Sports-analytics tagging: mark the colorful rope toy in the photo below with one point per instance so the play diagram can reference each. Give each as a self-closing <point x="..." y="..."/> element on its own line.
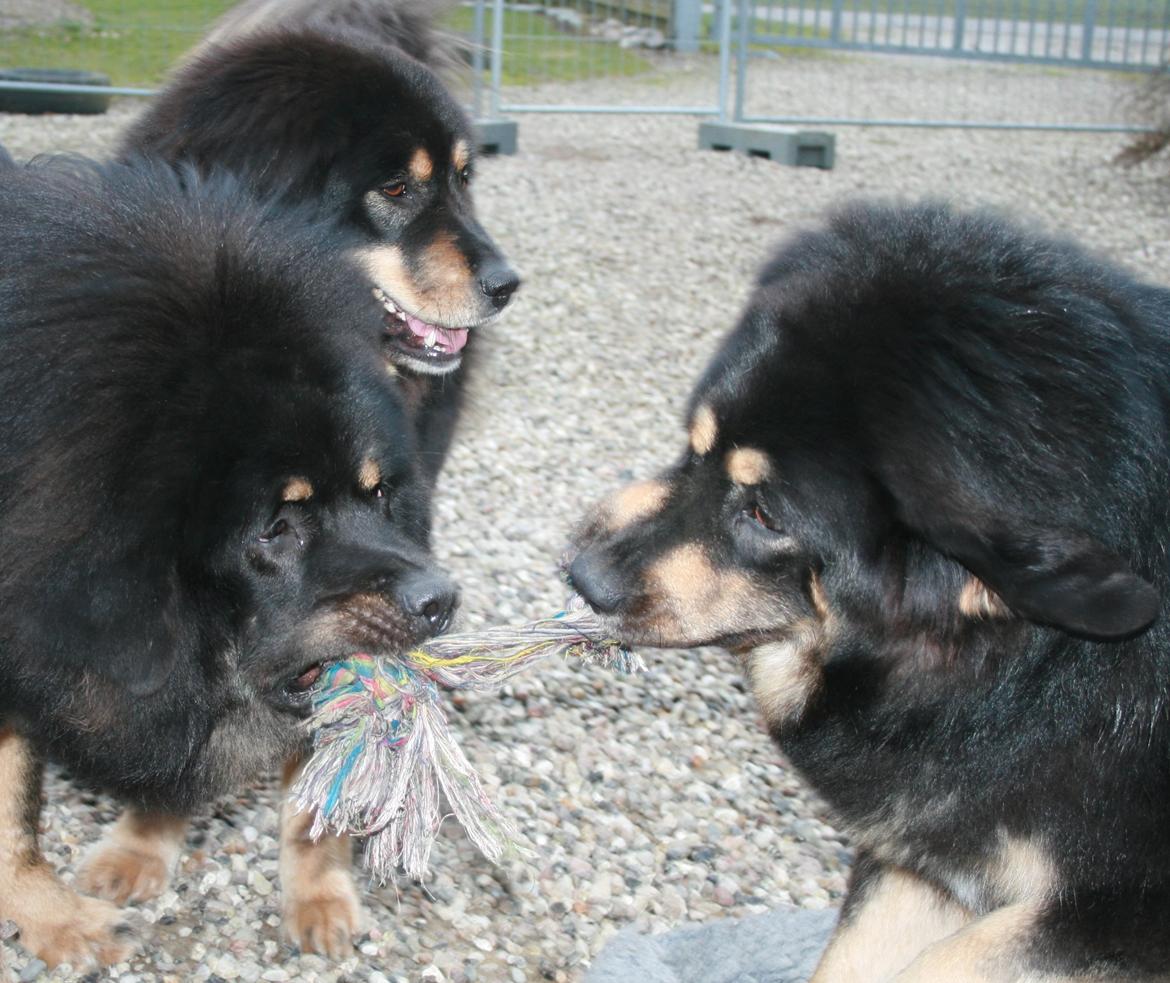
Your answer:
<point x="383" y="750"/>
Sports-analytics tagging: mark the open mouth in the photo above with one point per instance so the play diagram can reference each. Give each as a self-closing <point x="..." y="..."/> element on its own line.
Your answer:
<point x="423" y="346"/>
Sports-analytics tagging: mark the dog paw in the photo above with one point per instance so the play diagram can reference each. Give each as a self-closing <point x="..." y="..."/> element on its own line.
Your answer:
<point x="59" y="926"/>
<point x="323" y="916"/>
<point x="123" y="874"/>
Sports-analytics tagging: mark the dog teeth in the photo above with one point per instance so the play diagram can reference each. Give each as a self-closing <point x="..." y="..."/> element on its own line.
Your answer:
<point x="430" y="342"/>
<point x="387" y="302"/>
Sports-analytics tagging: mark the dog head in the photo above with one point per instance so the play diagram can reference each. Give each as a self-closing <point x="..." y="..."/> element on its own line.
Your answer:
<point x="372" y="136"/>
<point x="925" y="424"/>
<point x="211" y="489"/>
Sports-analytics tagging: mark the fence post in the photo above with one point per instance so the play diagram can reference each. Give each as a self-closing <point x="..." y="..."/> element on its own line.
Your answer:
<point x="745" y="24"/>
<point x="477" y="66"/>
<point x="835" y="23"/>
<point x="1087" y="30"/>
<point x="497" y="55"/>
<point x="688" y="20"/>
<point x="723" y="26"/>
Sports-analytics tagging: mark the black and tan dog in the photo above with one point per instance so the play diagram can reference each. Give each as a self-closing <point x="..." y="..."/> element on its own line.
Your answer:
<point x="334" y="109"/>
<point x="209" y="490"/>
<point x="925" y="501"/>
<point x="339" y="105"/>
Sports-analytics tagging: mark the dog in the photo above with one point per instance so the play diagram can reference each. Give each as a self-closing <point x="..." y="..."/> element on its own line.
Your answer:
<point x="209" y="492"/>
<point x="923" y="499"/>
<point x="341" y="105"/>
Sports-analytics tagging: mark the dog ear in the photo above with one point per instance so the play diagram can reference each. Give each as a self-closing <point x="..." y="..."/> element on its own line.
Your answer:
<point x="1067" y="580"/>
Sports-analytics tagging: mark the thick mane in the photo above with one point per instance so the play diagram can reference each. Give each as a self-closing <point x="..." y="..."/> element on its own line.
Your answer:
<point x="1002" y="357"/>
<point x="139" y="308"/>
<point x="409" y="25"/>
<point x="350" y="97"/>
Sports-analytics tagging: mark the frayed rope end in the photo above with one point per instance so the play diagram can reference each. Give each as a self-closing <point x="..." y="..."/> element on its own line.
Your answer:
<point x="383" y="751"/>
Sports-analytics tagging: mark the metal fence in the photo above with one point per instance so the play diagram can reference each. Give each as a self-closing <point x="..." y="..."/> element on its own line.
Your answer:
<point x="728" y="58"/>
<point x="1053" y="64"/>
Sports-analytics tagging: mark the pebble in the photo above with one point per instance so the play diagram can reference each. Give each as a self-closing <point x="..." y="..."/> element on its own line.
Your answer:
<point x="657" y="799"/>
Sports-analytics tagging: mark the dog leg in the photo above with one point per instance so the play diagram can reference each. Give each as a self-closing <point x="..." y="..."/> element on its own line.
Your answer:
<point x="135" y="860"/>
<point x="322" y="911"/>
<point x="890" y="917"/>
<point x="56" y="924"/>
<point x="992" y="949"/>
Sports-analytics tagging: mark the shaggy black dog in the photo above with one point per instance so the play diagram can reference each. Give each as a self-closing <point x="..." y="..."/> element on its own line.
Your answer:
<point x="329" y="104"/>
<point x="208" y="490"/>
<point x="925" y="500"/>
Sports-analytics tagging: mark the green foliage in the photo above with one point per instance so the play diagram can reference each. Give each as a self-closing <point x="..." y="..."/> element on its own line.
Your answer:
<point x="135" y="42"/>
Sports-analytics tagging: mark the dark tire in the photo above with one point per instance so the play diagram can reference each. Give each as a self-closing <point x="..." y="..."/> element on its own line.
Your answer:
<point x="47" y="101"/>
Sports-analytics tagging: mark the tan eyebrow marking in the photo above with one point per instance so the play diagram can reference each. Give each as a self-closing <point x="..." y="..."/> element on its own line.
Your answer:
<point x="704" y="429"/>
<point x="460" y="155"/>
<point x="297" y="490"/>
<point x="370" y="475"/>
<point x="421" y="166"/>
<point x="747" y="466"/>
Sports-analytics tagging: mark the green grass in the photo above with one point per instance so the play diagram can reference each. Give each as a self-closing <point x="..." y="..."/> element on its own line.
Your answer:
<point x="536" y="51"/>
<point x="134" y="42"/>
<point x="764" y="26"/>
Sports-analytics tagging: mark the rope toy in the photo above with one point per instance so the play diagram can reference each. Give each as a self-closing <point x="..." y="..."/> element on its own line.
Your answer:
<point x="383" y="749"/>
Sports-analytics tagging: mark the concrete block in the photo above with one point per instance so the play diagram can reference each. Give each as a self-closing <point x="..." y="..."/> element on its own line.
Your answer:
<point x="496" y="136"/>
<point x="783" y="144"/>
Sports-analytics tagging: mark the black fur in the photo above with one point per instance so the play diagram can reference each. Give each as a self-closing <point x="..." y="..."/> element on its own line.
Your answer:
<point x="171" y="356"/>
<point x="327" y="104"/>
<point x="940" y="395"/>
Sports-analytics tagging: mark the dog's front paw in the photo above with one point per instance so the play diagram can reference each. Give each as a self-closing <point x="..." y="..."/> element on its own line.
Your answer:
<point x="122" y="874"/>
<point x="57" y="925"/>
<point x="136" y="859"/>
<point x="322" y="914"/>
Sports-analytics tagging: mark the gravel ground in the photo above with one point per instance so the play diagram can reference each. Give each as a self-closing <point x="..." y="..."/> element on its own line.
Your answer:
<point x="658" y="800"/>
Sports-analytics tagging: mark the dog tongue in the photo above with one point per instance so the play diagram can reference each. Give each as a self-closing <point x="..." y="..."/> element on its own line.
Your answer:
<point x="449" y="340"/>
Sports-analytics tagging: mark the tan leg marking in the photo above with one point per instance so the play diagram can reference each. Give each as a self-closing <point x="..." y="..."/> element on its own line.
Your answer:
<point x="1022" y="871"/>
<point x="704" y="429"/>
<point x="989" y="950"/>
<point x="421" y="166"/>
<point x="977" y="600"/>
<point x="136" y="859"/>
<point x="747" y="466"/>
<point x="634" y="503"/>
<point x="56" y="924"/>
<point x="322" y="911"/>
<point x="902" y="916"/>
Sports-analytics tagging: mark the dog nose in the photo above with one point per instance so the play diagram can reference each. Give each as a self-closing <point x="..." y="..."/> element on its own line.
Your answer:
<point x="433" y="599"/>
<point x="498" y="281"/>
<point x="596" y="581"/>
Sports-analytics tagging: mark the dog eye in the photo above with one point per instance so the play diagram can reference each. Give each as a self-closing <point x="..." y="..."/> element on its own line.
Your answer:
<point x="396" y="190"/>
<point x="380" y="490"/>
<point x="760" y="516"/>
<point x="465" y="176"/>
<point x="275" y="531"/>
